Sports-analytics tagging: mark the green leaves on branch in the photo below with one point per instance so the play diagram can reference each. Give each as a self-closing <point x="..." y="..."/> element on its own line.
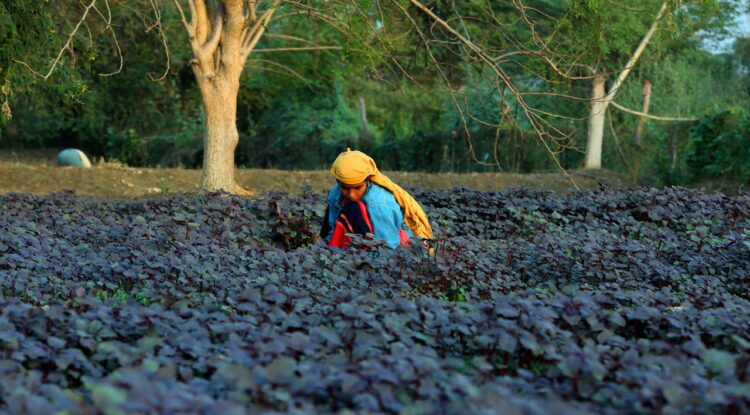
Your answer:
<point x="720" y="145"/>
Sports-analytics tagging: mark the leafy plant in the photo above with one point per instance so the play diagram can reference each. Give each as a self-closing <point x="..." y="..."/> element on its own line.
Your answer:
<point x="629" y="301"/>
<point x="720" y="145"/>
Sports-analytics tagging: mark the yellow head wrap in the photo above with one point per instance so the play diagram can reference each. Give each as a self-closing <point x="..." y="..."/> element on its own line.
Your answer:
<point x="352" y="167"/>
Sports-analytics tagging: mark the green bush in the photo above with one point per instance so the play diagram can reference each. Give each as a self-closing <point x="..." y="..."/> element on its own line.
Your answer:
<point x="720" y="146"/>
<point x="301" y="129"/>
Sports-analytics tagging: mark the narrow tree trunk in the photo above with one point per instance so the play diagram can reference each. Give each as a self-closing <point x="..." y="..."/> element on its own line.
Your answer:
<point x="673" y="151"/>
<point x="642" y="120"/>
<point x="597" y="113"/>
<point x="363" y="116"/>
<point x="599" y="105"/>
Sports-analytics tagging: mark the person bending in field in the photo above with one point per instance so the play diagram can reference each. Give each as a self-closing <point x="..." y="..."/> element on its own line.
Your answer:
<point x="366" y="201"/>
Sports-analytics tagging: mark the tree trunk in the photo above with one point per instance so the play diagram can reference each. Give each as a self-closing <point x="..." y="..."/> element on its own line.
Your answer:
<point x="363" y="116"/>
<point x="597" y="112"/>
<point x="601" y="102"/>
<point x="642" y="120"/>
<point x="221" y="136"/>
<point x="673" y="151"/>
<point x="222" y="34"/>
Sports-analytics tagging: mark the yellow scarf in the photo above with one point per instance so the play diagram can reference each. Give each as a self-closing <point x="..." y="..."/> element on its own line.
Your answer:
<point x="352" y="167"/>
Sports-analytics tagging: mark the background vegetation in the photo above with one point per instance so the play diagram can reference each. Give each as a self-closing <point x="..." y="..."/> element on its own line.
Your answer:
<point x="297" y="110"/>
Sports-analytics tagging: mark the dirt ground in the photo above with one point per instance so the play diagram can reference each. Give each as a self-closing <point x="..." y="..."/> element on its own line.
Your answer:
<point x="35" y="172"/>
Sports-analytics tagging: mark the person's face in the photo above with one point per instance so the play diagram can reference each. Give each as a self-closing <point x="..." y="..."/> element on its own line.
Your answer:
<point x="353" y="192"/>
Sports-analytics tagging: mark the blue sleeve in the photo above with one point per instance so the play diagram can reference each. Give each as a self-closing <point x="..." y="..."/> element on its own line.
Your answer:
<point x="333" y="209"/>
<point x="386" y="221"/>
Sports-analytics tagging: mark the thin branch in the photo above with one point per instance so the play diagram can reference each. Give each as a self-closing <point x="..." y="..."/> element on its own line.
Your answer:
<point x="298" y="49"/>
<point x="386" y="42"/>
<point x="253" y="35"/>
<point x="589" y="68"/>
<point x="637" y="54"/>
<point x="533" y="118"/>
<point x="653" y="117"/>
<point x="320" y="15"/>
<point x="532" y="25"/>
<point x="292" y="38"/>
<point x="288" y="69"/>
<point x="66" y="46"/>
<point x="193" y="11"/>
<point x="566" y="76"/>
<point x="108" y="21"/>
<point x="163" y="36"/>
<point x="617" y="141"/>
<point x="90" y="36"/>
<point x="189" y="27"/>
<point x="451" y="90"/>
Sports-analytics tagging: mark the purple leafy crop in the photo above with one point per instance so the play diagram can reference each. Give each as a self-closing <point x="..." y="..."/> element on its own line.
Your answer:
<point x="601" y="302"/>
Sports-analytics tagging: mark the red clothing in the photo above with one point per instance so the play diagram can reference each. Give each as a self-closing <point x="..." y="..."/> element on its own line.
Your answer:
<point x="354" y="218"/>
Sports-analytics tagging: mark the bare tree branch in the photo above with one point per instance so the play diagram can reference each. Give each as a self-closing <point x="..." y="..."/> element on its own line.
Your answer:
<point x="284" y="67"/>
<point x="253" y="35"/>
<point x="65" y="46"/>
<point x="163" y="36"/>
<point x="653" y="117"/>
<point x="534" y="119"/>
<point x="617" y="142"/>
<point x="298" y="49"/>
<point x="637" y="54"/>
<point x="108" y="22"/>
<point x="189" y="27"/>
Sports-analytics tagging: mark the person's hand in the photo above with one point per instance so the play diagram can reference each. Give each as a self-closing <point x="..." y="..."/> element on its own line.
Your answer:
<point x="430" y="250"/>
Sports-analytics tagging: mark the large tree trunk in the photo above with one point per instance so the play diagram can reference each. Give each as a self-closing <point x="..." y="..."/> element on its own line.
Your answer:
<point x="221" y="136"/>
<point x="222" y="34"/>
<point x="597" y="112"/>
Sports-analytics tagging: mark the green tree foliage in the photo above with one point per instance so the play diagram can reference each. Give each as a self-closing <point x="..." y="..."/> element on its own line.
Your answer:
<point x="687" y="81"/>
<point x="302" y="128"/>
<point x="430" y="104"/>
<point x="720" y="146"/>
<point x="693" y="83"/>
<point x="115" y="116"/>
<point x="138" y="121"/>
<point x="23" y="25"/>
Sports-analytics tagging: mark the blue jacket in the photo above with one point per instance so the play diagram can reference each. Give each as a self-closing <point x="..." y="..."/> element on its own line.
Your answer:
<point x="385" y="213"/>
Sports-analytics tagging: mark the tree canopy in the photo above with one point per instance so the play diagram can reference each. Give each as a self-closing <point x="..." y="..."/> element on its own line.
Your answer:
<point x="423" y="88"/>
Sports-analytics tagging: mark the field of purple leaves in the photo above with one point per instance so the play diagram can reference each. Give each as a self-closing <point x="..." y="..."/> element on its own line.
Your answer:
<point x="597" y="302"/>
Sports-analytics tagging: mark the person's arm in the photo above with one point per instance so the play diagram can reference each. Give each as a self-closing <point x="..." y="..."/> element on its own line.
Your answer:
<point x="333" y="210"/>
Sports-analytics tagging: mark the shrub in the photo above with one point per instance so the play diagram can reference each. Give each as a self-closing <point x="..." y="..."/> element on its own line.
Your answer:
<point x="720" y="146"/>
